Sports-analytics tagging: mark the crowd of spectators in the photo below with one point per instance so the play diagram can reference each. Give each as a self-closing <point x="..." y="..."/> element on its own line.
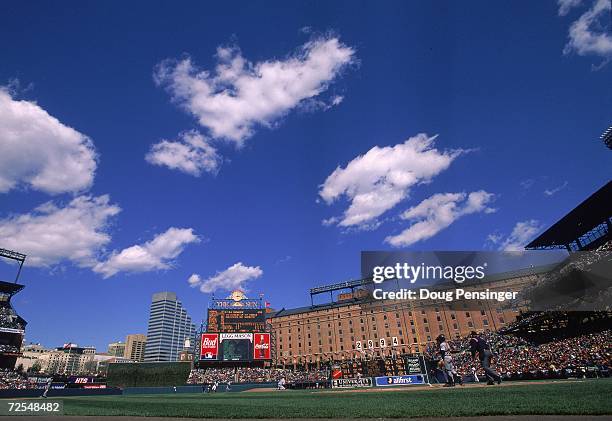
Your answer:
<point x="10" y="379"/>
<point x="516" y="358"/>
<point x="8" y="348"/>
<point x="255" y="375"/>
<point x="8" y="317"/>
<point x="558" y="290"/>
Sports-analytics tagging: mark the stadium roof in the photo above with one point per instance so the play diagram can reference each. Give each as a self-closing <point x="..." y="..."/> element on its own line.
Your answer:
<point x="594" y="211"/>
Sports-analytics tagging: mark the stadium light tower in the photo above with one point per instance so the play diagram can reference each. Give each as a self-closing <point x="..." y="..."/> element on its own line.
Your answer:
<point x="606" y="136"/>
<point x="13" y="255"/>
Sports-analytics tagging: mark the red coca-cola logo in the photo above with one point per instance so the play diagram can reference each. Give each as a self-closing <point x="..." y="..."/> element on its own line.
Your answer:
<point x="262" y="346"/>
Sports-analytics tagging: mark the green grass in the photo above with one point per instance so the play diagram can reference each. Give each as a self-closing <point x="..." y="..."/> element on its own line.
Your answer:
<point x="590" y="397"/>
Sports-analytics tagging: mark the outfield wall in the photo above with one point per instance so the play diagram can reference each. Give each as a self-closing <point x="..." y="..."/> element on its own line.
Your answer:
<point x="166" y="374"/>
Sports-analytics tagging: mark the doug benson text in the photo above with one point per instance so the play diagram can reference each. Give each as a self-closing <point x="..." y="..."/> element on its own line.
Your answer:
<point x="448" y="295"/>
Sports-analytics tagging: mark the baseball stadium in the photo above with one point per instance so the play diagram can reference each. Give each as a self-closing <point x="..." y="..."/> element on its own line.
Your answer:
<point x="351" y="356"/>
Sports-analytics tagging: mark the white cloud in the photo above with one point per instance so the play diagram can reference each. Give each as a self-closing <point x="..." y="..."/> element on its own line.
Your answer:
<point x="191" y="154"/>
<point x="528" y="183"/>
<point x="51" y="233"/>
<point x="194" y="280"/>
<point x="38" y="151"/>
<point x="240" y="95"/>
<point x="553" y="191"/>
<point x="588" y="35"/>
<point x="566" y="5"/>
<point x="230" y="279"/>
<point x="381" y="178"/>
<point x="520" y="236"/>
<point x="155" y="254"/>
<point x="337" y="100"/>
<point x="494" y="238"/>
<point x="438" y="212"/>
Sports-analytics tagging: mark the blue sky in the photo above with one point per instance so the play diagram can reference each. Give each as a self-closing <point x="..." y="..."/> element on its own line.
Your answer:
<point x="242" y="191"/>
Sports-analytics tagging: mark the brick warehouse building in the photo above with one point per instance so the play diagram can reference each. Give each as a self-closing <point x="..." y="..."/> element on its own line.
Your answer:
<point x="309" y="336"/>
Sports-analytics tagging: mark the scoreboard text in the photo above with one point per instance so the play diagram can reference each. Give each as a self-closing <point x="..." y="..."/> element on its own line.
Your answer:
<point x="236" y="320"/>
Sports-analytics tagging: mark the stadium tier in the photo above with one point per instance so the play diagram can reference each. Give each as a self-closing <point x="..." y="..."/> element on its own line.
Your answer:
<point x="578" y="291"/>
<point x="586" y="227"/>
<point x="12" y="326"/>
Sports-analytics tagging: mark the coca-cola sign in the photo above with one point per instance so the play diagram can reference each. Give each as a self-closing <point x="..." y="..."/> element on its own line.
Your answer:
<point x="261" y="347"/>
<point x="210" y="346"/>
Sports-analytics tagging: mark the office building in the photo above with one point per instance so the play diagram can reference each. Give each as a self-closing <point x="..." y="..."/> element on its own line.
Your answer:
<point x="169" y="326"/>
<point x="116" y="349"/>
<point x="135" y="347"/>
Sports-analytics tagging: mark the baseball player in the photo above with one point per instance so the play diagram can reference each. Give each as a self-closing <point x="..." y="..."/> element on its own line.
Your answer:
<point x="47" y="387"/>
<point x="480" y="347"/>
<point x="449" y="371"/>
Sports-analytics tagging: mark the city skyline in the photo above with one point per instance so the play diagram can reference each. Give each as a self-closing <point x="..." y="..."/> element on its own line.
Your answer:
<point x="232" y="154"/>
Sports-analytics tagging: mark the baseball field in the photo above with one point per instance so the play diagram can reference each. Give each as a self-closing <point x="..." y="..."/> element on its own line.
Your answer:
<point x="564" y="397"/>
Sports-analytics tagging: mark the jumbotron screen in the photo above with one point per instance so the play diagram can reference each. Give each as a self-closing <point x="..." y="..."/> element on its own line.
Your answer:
<point x="236" y="320"/>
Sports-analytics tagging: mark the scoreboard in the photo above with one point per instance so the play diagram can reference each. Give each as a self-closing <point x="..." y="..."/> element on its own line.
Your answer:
<point x="236" y="331"/>
<point x="235" y="346"/>
<point x="236" y="320"/>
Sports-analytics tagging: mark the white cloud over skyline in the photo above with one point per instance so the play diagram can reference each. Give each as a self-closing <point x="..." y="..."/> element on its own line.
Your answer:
<point x="381" y="178"/>
<point x="153" y="255"/>
<point x="37" y="151"/>
<point x="53" y="233"/>
<point x="236" y="97"/>
<point x="438" y="212"/>
<point x="191" y="154"/>
<point x="234" y="277"/>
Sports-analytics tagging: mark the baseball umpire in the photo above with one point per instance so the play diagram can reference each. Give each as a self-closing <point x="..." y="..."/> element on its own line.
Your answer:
<point x="478" y="345"/>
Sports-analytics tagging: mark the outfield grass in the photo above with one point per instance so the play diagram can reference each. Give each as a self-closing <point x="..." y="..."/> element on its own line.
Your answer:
<point x="590" y="397"/>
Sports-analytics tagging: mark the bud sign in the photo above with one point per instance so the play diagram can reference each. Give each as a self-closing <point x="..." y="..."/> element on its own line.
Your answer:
<point x="210" y="346"/>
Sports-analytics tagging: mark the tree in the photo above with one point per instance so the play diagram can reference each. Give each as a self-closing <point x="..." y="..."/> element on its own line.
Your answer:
<point x="35" y="367"/>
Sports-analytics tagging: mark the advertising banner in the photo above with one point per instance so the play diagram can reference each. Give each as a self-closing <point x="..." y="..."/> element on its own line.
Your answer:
<point x="400" y="380"/>
<point x="349" y="383"/>
<point x="225" y="336"/>
<point x="415" y="364"/>
<point x="210" y="346"/>
<point x="261" y="349"/>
